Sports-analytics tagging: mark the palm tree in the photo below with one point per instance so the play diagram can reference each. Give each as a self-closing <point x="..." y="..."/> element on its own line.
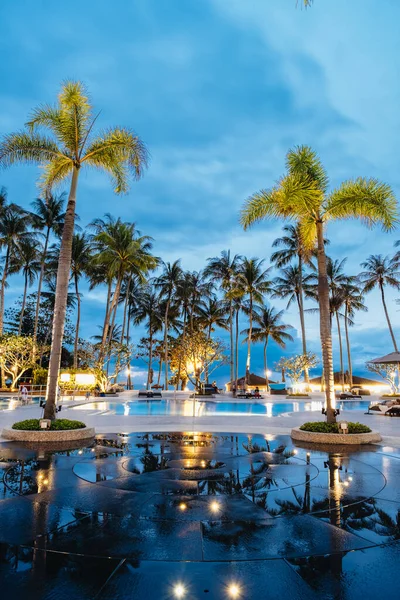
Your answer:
<point x="268" y="326"/>
<point x="292" y="284"/>
<point x="48" y="216"/>
<point x="13" y="231"/>
<point x="28" y="261"/>
<point x="381" y="271"/>
<point x="149" y="310"/>
<point x="336" y="279"/>
<point x="168" y="283"/>
<point x="294" y="249"/>
<point x="302" y="196"/>
<point x="69" y="146"/>
<point x="123" y="250"/>
<point x="211" y="313"/>
<point x="223" y="269"/>
<point x="353" y="301"/>
<point x="252" y="280"/>
<point x="80" y="259"/>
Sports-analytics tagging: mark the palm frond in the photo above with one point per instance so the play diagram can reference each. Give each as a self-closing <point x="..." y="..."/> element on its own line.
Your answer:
<point x="29" y="148"/>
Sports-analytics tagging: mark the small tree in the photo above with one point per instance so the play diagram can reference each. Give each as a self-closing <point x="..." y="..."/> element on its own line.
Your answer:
<point x="386" y="372"/>
<point x="196" y="356"/>
<point x="295" y="366"/>
<point x="104" y="368"/>
<point x="17" y="355"/>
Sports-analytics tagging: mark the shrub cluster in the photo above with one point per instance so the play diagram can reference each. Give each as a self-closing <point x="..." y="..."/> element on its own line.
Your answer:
<point x="323" y="427"/>
<point x="58" y="425"/>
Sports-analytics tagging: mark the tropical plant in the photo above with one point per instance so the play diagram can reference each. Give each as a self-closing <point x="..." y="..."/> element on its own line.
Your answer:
<point x="268" y="326"/>
<point x="353" y="301"/>
<point x="381" y="271"/>
<point x="223" y="269"/>
<point x="48" y="217"/>
<point x="252" y="282"/>
<point x="17" y="355"/>
<point x="69" y="146"/>
<point x="80" y="260"/>
<point x="168" y="283"/>
<point x="27" y="260"/>
<point x="149" y="310"/>
<point x="388" y="372"/>
<point x="302" y="195"/>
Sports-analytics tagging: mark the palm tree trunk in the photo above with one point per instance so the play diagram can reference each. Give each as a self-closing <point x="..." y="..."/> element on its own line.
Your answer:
<point x="266" y="366"/>
<point x="21" y="318"/>
<point x="340" y="351"/>
<point x="78" y="320"/>
<point x="346" y="328"/>
<point x="236" y="350"/>
<point x="387" y="317"/>
<point x="3" y="286"/>
<point x="107" y="304"/>
<point x="325" y="326"/>
<point x="150" y="361"/>
<point x="60" y="307"/>
<point x="300" y="302"/>
<point x="231" y="340"/>
<point x="166" y="344"/>
<point x="128" y="287"/>
<point x="39" y="291"/>
<point x="247" y="377"/>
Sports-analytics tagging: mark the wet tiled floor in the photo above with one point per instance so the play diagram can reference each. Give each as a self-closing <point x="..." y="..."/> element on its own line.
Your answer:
<point x="135" y="515"/>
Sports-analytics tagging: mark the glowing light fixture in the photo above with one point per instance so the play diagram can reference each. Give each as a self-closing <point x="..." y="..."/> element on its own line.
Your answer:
<point x="85" y="379"/>
<point x="234" y="590"/>
<point x="179" y="590"/>
<point x="215" y="506"/>
<point x="45" y="481"/>
<point x="65" y="377"/>
<point x="182" y="506"/>
<point x="203" y="464"/>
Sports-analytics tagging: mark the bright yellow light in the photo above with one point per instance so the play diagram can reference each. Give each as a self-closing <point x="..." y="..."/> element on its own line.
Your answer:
<point x="214" y="506"/>
<point x="234" y="590"/>
<point x="203" y="463"/>
<point x="85" y="379"/>
<point x="346" y="483"/>
<point x="182" y="506"/>
<point x="45" y="481"/>
<point x="40" y="477"/>
<point x="179" y="590"/>
<point x="65" y="377"/>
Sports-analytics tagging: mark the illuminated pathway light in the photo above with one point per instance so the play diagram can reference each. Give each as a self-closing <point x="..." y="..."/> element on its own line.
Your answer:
<point x="179" y="590"/>
<point x="234" y="590"/>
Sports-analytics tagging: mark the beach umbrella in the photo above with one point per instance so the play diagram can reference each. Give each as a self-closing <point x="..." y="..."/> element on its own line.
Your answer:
<point x="389" y="359"/>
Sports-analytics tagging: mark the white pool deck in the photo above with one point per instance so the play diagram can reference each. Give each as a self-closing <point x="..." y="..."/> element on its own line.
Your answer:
<point x="110" y="423"/>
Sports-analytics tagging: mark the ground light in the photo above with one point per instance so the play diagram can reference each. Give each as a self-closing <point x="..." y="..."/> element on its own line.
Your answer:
<point x="214" y="506"/>
<point x="179" y="590"/>
<point x="234" y="590"/>
<point x="182" y="506"/>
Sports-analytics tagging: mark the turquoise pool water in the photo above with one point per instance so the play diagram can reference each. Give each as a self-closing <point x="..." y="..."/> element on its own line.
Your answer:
<point x="11" y="403"/>
<point x="209" y="408"/>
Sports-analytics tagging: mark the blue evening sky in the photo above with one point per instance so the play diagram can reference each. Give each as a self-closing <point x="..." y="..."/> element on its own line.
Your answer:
<point x="219" y="90"/>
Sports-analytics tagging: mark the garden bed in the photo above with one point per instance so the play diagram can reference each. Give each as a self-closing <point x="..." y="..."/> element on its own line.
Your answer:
<point x="320" y="432"/>
<point x="298" y="396"/>
<point x="61" y="430"/>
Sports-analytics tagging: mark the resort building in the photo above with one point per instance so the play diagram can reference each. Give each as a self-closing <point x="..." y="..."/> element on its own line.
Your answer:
<point x="372" y="386"/>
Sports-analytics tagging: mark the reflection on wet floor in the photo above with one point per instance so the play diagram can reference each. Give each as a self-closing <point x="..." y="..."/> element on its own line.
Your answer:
<point x="220" y="501"/>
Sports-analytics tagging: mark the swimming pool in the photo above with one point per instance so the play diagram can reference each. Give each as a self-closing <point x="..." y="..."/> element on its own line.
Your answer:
<point x="185" y="408"/>
<point x="12" y="403"/>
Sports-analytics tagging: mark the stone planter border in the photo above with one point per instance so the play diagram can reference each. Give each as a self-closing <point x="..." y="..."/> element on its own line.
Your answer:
<point x="20" y="435"/>
<point x="347" y="439"/>
<point x="302" y="397"/>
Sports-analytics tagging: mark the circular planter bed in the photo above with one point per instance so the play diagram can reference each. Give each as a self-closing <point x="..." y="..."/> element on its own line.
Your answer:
<point x="61" y="430"/>
<point x="298" y="397"/>
<point x="346" y="439"/>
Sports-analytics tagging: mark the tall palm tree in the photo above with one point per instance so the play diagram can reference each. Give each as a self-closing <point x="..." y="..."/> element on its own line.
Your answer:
<point x="48" y="216"/>
<point x="149" y="310"/>
<point x="253" y="281"/>
<point x="28" y="262"/>
<point x="67" y="146"/>
<point x="353" y="301"/>
<point x="381" y="271"/>
<point x="302" y="196"/>
<point x="223" y="269"/>
<point x="124" y="251"/>
<point x="80" y="260"/>
<point x="292" y="284"/>
<point x="211" y="313"/>
<point x="13" y="231"/>
<point x="268" y="326"/>
<point x="293" y="248"/>
<point x="168" y="283"/>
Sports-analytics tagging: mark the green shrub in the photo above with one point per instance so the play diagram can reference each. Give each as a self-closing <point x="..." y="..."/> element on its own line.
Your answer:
<point x="323" y="427"/>
<point x="299" y="395"/>
<point x="58" y="425"/>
